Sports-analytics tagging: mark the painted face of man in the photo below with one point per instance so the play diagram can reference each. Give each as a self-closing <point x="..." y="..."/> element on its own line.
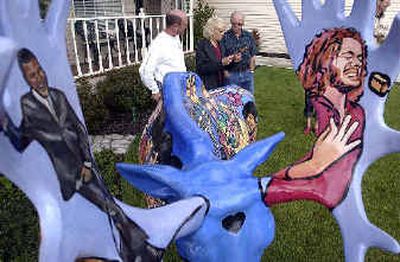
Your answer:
<point x="35" y="77"/>
<point x="347" y="66"/>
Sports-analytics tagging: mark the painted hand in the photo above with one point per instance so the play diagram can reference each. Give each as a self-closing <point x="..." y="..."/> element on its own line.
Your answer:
<point x="333" y="143"/>
<point x="86" y="174"/>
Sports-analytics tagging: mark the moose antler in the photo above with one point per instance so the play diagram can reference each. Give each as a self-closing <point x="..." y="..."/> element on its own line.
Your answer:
<point x="358" y="233"/>
<point x="36" y="170"/>
<point x="316" y="17"/>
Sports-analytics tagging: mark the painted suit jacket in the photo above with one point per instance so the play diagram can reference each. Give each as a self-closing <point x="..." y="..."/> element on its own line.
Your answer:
<point x="64" y="139"/>
<point x="329" y="187"/>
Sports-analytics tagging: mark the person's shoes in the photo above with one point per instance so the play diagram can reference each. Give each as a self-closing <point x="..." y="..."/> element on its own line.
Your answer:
<point x="307" y="130"/>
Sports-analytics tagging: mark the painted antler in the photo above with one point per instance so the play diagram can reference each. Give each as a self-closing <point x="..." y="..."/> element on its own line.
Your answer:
<point x="316" y="16"/>
<point x="358" y="233"/>
<point x="74" y="225"/>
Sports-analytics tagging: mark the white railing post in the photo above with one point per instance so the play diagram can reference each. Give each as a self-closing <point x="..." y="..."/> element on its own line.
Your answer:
<point x="85" y="32"/>
<point x="164" y="21"/>
<point x="158" y="25"/>
<point x="99" y="56"/>
<point x="110" y="62"/>
<point x="151" y="29"/>
<point x="135" y="41"/>
<point x="128" y="59"/>
<point x="78" y="64"/>
<point x="191" y="26"/>
<point x="118" y="43"/>
<point x="142" y="20"/>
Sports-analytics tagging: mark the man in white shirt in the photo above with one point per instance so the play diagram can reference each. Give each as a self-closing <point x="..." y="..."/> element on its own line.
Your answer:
<point x="165" y="53"/>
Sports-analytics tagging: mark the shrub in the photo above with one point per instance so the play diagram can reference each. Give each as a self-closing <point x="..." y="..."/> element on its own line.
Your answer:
<point x="92" y="105"/>
<point x="122" y="91"/>
<point x="118" y="186"/>
<point x="106" y="160"/>
<point x="201" y="14"/>
<point x="19" y="227"/>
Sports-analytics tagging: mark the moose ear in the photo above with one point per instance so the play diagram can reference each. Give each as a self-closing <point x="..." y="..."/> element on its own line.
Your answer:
<point x="167" y="223"/>
<point x="255" y="154"/>
<point x="159" y="181"/>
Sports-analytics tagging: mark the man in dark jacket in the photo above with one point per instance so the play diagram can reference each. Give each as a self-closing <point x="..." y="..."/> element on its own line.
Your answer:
<point x="48" y="118"/>
<point x="239" y="43"/>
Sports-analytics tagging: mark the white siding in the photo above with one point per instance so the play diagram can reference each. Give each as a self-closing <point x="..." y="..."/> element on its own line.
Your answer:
<point x="260" y="14"/>
<point x="96" y="8"/>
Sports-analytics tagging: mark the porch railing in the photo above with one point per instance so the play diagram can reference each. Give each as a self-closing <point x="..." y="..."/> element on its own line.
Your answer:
<point x="97" y="45"/>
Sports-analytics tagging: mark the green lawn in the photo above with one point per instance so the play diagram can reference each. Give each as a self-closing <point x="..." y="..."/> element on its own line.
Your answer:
<point x="305" y="231"/>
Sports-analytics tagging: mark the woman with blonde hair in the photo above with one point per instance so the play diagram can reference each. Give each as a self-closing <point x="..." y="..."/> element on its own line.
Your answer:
<point x="209" y="61"/>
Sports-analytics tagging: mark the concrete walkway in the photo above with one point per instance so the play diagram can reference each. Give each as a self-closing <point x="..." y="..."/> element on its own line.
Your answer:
<point x="119" y="144"/>
<point x="274" y="62"/>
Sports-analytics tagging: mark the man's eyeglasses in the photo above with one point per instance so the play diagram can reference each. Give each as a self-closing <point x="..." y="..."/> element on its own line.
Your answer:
<point x="238" y="24"/>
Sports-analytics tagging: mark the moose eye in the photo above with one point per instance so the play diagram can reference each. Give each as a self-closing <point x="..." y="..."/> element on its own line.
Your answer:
<point x="233" y="223"/>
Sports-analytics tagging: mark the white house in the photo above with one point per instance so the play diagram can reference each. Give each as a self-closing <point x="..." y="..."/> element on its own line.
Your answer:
<point x="261" y="15"/>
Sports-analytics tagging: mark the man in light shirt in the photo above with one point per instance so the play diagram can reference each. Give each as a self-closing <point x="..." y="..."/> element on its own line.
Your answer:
<point x="165" y="53"/>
